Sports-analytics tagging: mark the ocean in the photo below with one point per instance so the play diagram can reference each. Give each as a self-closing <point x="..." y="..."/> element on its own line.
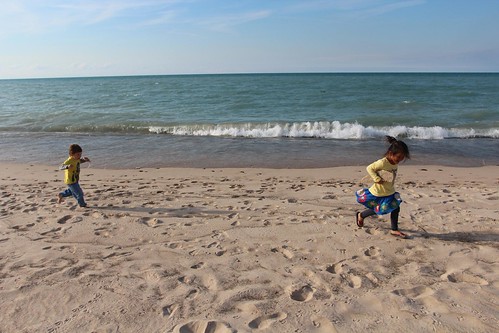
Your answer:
<point x="251" y="120"/>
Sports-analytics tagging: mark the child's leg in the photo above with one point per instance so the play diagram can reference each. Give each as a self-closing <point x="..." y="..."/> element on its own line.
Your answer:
<point x="361" y="216"/>
<point x="368" y="212"/>
<point x="64" y="194"/>
<point x="78" y="194"/>
<point x="394" y="219"/>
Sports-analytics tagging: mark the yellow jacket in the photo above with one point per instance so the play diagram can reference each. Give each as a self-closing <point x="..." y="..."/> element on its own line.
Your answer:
<point x="380" y="170"/>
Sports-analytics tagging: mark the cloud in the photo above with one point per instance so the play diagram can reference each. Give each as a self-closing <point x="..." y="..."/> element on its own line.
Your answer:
<point x="388" y="7"/>
<point x="163" y="17"/>
<point x="31" y="16"/>
<point x="356" y="8"/>
<point x="225" y="23"/>
<point x="92" y="12"/>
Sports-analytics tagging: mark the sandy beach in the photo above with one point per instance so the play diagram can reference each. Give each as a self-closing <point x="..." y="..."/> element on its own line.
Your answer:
<point x="247" y="250"/>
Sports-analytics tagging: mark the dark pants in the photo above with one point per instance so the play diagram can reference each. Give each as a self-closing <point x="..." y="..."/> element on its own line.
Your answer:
<point x="394" y="217"/>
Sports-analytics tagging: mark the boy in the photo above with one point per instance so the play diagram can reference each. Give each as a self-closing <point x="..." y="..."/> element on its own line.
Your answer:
<point x="71" y="169"/>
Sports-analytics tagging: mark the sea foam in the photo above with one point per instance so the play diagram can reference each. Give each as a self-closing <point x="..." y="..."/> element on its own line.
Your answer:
<point x="322" y="129"/>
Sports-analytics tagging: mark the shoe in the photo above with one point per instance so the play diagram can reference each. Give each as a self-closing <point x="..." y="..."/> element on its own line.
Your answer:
<point x="398" y="233"/>
<point x="360" y="223"/>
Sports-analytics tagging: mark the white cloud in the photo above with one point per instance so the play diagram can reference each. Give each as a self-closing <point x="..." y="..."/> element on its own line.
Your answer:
<point x="388" y="7"/>
<point x="163" y="17"/>
<point x="30" y="16"/>
<point x="225" y="23"/>
<point x="363" y="8"/>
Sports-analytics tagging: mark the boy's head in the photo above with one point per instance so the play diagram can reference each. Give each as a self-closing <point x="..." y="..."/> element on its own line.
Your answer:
<point x="75" y="149"/>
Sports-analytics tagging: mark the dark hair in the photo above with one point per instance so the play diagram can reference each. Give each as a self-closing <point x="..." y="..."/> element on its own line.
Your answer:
<point x="74" y="148"/>
<point x="397" y="146"/>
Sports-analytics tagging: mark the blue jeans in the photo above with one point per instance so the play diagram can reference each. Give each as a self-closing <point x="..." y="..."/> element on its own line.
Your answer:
<point x="75" y="191"/>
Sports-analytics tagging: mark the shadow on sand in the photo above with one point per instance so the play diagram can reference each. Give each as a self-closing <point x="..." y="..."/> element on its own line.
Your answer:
<point x="464" y="237"/>
<point x="185" y="212"/>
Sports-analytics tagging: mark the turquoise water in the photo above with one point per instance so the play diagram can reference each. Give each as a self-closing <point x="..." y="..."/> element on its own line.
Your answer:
<point x="273" y="120"/>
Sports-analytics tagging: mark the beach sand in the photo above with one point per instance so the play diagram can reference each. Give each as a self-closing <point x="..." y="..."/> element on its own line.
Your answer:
<point x="247" y="250"/>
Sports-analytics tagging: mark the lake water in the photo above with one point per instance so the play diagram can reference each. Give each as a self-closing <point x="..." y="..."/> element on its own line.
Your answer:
<point x="252" y="120"/>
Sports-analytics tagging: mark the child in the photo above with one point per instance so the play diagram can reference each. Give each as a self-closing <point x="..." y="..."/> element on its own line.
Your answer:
<point x="381" y="197"/>
<point x="71" y="169"/>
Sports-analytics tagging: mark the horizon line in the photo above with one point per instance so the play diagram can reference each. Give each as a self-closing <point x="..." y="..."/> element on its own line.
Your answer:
<point x="250" y="73"/>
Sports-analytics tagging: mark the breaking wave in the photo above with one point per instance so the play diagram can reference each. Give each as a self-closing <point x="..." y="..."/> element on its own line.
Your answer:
<point x="325" y="130"/>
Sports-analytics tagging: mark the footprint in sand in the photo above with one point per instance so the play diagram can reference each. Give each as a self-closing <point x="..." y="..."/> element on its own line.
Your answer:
<point x="220" y="253"/>
<point x="264" y="322"/>
<point x="151" y="276"/>
<point x="99" y="215"/>
<point x="103" y="231"/>
<point x="192" y="294"/>
<point x="354" y="281"/>
<point x="465" y="277"/>
<point x="371" y="277"/>
<point x="202" y="326"/>
<point x="372" y="231"/>
<point x="336" y="268"/>
<point x="150" y="222"/>
<point x="198" y="265"/>
<point x="304" y="294"/>
<point x="53" y="230"/>
<point x="169" y="310"/>
<point x="323" y="325"/>
<point x="371" y="252"/>
<point x="284" y="251"/>
<point x="21" y="227"/>
<point x="416" y="292"/>
<point x="69" y="218"/>
<point x="64" y="219"/>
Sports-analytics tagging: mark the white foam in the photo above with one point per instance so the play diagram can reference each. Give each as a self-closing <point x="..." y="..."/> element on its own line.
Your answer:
<point x="324" y="129"/>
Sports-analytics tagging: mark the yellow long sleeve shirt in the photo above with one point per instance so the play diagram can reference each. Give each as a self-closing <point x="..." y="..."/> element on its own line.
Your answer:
<point x="387" y="187"/>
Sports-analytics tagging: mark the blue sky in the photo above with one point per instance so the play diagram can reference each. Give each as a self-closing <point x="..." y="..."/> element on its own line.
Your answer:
<point x="60" y="38"/>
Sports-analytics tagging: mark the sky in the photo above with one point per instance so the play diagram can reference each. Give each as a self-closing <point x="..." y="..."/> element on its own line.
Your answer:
<point x="80" y="38"/>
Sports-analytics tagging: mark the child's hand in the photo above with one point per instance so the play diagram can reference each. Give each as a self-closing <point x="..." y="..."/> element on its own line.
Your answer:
<point x="85" y="159"/>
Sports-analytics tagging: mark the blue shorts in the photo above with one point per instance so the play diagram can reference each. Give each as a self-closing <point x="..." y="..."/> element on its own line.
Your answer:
<point x="380" y="205"/>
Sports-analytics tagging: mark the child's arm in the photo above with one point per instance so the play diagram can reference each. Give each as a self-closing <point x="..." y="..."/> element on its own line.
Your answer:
<point x="372" y="170"/>
<point x="66" y="165"/>
<point x="84" y="159"/>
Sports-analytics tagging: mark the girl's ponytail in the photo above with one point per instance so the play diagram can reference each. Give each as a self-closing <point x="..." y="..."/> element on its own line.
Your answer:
<point x="390" y="139"/>
<point x="397" y="146"/>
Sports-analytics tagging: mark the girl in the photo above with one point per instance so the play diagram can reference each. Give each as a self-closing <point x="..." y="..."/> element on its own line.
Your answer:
<point x="381" y="197"/>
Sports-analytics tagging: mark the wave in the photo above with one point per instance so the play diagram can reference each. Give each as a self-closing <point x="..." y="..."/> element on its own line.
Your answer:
<point x="323" y="130"/>
<point x="318" y="129"/>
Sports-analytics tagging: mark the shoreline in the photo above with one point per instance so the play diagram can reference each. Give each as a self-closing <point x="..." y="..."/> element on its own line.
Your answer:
<point x="245" y="249"/>
<point x="485" y="172"/>
<point x="152" y="151"/>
